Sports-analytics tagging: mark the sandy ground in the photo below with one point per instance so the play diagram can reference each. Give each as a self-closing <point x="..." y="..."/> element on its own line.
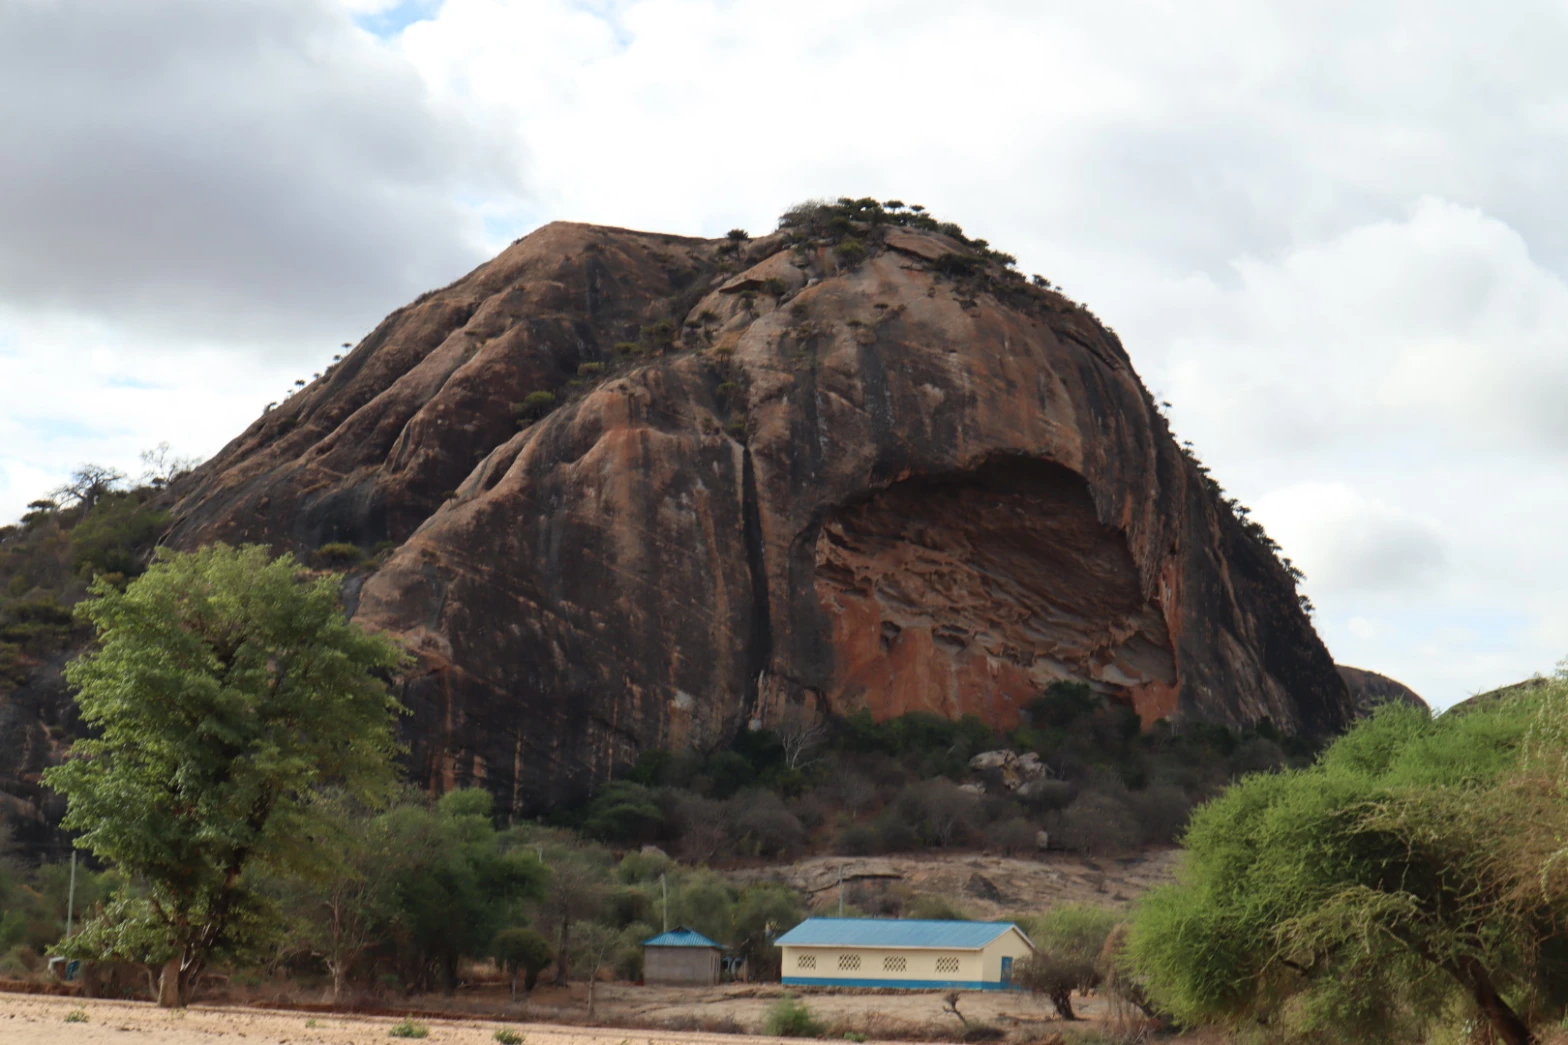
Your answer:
<point x="36" y="1020"/>
<point x="747" y="1006"/>
<point x="41" y="1020"/>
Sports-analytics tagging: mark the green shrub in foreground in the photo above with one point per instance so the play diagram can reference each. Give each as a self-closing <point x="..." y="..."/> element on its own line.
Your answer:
<point x="408" y="1029"/>
<point x="790" y="1018"/>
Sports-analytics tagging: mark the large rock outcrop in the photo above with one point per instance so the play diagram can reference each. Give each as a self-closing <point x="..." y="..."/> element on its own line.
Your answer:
<point x="1370" y="691"/>
<point x="903" y="481"/>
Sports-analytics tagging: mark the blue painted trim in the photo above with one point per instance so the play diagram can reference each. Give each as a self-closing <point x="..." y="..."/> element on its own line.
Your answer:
<point x="908" y="985"/>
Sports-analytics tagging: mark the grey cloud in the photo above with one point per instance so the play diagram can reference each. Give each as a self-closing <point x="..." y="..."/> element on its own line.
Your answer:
<point x="1382" y="555"/>
<point x="250" y="170"/>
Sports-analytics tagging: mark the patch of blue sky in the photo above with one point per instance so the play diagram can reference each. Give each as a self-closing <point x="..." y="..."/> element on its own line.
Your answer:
<point x="608" y="12"/>
<point x="504" y="228"/>
<point x="391" y="22"/>
<point x="121" y="381"/>
<point x="64" y="428"/>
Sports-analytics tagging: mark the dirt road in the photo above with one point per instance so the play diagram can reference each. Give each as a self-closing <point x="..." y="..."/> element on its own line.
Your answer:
<point x="41" y="1020"/>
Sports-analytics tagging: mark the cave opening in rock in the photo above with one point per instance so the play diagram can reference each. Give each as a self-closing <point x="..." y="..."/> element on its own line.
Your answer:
<point x="971" y="592"/>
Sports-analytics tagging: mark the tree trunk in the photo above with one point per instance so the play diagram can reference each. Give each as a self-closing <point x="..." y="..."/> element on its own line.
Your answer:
<point x="561" y="955"/>
<point x="338" y="970"/>
<point x="592" y="979"/>
<point x="1505" y="1022"/>
<point x="169" y="993"/>
<point x="1063" y="1000"/>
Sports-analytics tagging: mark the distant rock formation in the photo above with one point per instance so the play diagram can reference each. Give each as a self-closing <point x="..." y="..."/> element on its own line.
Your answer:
<point x="1513" y="689"/>
<point x="635" y="491"/>
<point x="1369" y="690"/>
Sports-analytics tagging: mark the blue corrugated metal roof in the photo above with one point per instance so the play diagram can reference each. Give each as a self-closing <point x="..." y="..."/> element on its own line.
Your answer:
<point x="680" y="936"/>
<point x="892" y="932"/>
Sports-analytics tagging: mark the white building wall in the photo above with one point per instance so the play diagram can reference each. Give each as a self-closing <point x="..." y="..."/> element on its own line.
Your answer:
<point x="1010" y="944"/>
<point x="887" y="963"/>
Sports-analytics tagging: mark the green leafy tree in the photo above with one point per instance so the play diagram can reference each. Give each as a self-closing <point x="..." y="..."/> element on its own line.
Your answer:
<point x="1068" y="942"/>
<point x="338" y="917"/>
<point x="624" y="813"/>
<point x="451" y="884"/>
<point x="226" y="692"/>
<point x="764" y="912"/>
<point x="703" y="901"/>
<point x="522" y="951"/>
<point x="575" y="891"/>
<point x="1372" y="895"/>
<point x="593" y="946"/>
<point x="114" y="535"/>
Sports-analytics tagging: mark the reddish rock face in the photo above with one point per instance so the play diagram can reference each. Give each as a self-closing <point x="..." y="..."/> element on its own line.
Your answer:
<point x="971" y="592"/>
<point x="871" y="486"/>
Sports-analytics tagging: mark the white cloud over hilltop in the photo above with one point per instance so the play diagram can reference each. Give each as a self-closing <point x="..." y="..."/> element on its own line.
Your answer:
<point x="1332" y="235"/>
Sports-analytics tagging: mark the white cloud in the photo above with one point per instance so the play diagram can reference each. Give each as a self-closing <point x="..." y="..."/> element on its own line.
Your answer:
<point x="1332" y="234"/>
<point x="244" y="172"/>
<point x="1348" y="542"/>
<point x="1366" y="628"/>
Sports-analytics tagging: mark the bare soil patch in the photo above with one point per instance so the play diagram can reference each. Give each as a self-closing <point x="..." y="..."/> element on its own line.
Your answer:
<point x="629" y="1016"/>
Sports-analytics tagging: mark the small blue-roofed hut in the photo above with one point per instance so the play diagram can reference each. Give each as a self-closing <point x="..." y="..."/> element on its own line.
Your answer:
<point x="681" y="956"/>
<point x="912" y="954"/>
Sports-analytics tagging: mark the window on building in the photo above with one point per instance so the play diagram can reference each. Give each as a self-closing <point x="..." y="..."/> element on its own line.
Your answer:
<point x="895" y="963"/>
<point x="848" y="962"/>
<point x="806" y="961"/>
<point x="949" y="964"/>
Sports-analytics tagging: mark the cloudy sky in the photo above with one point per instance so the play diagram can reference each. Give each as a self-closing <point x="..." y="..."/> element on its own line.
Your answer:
<point x="1333" y="235"/>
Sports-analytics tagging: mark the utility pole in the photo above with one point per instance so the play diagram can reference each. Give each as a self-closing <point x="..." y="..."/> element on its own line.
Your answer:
<point x="665" y="888"/>
<point x="70" y="899"/>
<point x="841" y="890"/>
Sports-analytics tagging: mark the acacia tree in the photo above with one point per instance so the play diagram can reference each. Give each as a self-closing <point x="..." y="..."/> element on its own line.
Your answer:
<point x="522" y="951"/>
<point x="1368" y="896"/>
<point x="338" y="917"/>
<point x="450" y="884"/>
<point x="575" y="892"/>
<point x="227" y="692"/>
<point x="1068" y="941"/>
<point x="596" y="943"/>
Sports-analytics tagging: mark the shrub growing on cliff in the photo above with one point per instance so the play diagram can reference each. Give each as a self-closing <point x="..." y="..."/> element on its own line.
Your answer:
<point x="534" y="405"/>
<point x="339" y="555"/>
<point x="851" y="250"/>
<point x="111" y="536"/>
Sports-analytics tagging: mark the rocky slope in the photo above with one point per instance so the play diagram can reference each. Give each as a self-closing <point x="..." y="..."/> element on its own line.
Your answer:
<point x="1368" y="690"/>
<point x="849" y="465"/>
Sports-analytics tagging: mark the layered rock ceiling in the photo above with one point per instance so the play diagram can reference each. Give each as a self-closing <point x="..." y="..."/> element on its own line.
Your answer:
<point x="777" y="472"/>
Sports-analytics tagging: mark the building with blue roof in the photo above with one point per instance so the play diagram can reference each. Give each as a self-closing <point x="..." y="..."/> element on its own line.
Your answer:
<point x="681" y="956"/>
<point x="903" y="953"/>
